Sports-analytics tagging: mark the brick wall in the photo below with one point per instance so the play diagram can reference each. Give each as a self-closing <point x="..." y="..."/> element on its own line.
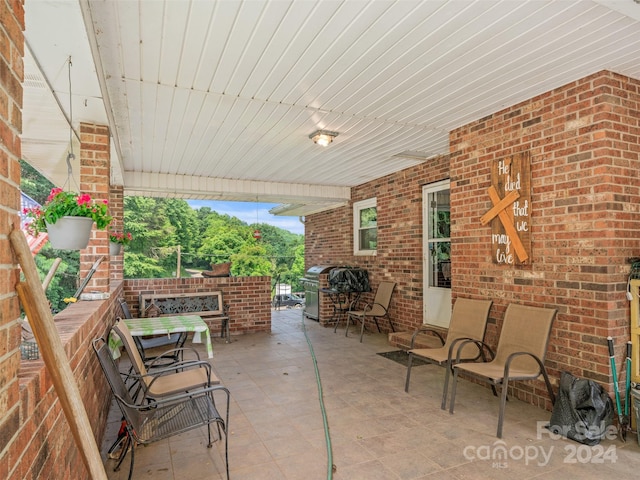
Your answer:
<point x="584" y="144"/>
<point x="249" y="298"/>
<point x="116" y="210"/>
<point x="44" y="446"/>
<point x="11" y="406"/>
<point x="329" y="240"/>
<point x="95" y="179"/>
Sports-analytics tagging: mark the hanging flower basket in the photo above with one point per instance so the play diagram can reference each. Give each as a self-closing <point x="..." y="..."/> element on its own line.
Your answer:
<point x="115" y="248"/>
<point x="70" y="233"/>
<point x="117" y="240"/>
<point x="68" y="218"/>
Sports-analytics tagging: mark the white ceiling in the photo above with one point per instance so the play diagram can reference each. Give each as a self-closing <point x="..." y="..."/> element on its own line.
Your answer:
<point x="216" y="99"/>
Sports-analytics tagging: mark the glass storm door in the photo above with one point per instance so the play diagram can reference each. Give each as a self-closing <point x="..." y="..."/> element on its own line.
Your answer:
<point x="437" y="251"/>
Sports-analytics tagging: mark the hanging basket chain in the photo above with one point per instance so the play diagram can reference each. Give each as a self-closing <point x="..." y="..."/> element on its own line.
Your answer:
<point x="70" y="155"/>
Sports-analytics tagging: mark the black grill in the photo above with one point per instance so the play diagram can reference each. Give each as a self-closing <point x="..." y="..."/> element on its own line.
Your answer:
<point x="349" y="279"/>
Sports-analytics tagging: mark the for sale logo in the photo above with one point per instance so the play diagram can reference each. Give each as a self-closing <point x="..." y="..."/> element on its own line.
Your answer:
<point x="499" y="453"/>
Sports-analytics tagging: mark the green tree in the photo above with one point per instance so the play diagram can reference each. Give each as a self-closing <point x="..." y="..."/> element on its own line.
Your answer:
<point x="251" y="261"/>
<point x="65" y="281"/>
<point x="297" y="270"/>
<point x="221" y="243"/>
<point x="137" y="265"/>
<point x="33" y="183"/>
<point x="184" y="219"/>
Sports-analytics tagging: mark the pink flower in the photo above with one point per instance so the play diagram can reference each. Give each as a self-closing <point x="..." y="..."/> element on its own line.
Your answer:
<point x="84" y="199"/>
<point x="53" y="193"/>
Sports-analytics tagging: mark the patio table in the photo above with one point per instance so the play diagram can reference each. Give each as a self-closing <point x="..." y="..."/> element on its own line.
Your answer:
<point x="342" y="301"/>
<point x="140" y="327"/>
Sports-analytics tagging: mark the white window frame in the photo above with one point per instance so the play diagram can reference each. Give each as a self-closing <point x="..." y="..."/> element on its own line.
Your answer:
<point x="357" y="207"/>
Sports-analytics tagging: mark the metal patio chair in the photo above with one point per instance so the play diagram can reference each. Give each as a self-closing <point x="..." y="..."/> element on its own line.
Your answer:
<point x="175" y="341"/>
<point x="149" y="421"/>
<point x="468" y="322"/>
<point x="378" y="309"/>
<point x="165" y="380"/>
<point x="520" y="355"/>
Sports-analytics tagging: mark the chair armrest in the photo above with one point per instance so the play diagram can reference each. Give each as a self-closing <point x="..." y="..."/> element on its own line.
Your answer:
<point x="542" y="371"/>
<point x="514" y="355"/>
<point x="171" y="353"/>
<point x="479" y="343"/>
<point x="425" y="330"/>
<point x="148" y="403"/>
<point x="182" y="365"/>
<point x="369" y="306"/>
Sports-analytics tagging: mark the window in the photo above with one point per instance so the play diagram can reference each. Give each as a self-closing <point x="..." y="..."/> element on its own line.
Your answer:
<point x="439" y="241"/>
<point x="365" y="227"/>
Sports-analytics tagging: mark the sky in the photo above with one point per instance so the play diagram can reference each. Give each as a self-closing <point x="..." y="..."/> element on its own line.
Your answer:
<point x="250" y="212"/>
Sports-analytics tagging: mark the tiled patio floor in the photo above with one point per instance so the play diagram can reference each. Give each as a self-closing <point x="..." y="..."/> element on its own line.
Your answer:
<point x="377" y="431"/>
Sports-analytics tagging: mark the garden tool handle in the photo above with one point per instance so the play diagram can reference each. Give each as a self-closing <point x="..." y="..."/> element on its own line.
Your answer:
<point x="610" y="343"/>
<point x="627" y="389"/>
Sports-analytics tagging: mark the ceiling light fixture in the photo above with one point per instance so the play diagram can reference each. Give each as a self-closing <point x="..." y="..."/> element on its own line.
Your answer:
<point x="323" y="137"/>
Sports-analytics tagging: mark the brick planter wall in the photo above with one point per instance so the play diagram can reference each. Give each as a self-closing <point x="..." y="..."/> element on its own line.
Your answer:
<point x="43" y="446"/>
<point x="248" y="298"/>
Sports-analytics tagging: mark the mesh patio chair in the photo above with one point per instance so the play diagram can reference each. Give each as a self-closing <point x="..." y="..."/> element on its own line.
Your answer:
<point x="175" y="341"/>
<point x="166" y="380"/>
<point x="378" y="309"/>
<point x="150" y="421"/>
<point x="468" y="322"/>
<point x="520" y="355"/>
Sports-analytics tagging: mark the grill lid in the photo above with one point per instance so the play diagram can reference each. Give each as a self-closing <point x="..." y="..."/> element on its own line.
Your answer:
<point x="314" y="272"/>
<point x="349" y="279"/>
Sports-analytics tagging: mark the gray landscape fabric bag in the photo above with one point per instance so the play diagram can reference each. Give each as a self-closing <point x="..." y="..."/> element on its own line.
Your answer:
<point x="583" y="410"/>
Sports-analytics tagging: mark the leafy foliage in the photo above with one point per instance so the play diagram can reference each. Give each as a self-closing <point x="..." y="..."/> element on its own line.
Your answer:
<point x="65" y="282"/>
<point x="159" y="226"/>
<point x="163" y="228"/>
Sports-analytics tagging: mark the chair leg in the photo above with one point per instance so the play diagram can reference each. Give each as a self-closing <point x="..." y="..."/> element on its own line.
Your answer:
<point x="549" y="387"/>
<point x="409" y="364"/>
<point x="362" y="328"/>
<point x="453" y="390"/>
<point x="226" y="451"/>
<point x="210" y="444"/>
<point x="377" y="324"/>
<point x="124" y="445"/>
<point x="445" y="390"/>
<point x="346" y="330"/>
<point x="503" y="405"/>
<point x="130" y="443"/>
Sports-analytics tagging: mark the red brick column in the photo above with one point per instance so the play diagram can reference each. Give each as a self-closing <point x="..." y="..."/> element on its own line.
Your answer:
<point x="95" y="169"/>
<point x="116" y="208"/>
<point x="11" y="53"/>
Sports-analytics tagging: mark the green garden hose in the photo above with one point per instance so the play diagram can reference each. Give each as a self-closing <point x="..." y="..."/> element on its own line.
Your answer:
<point x="330" y="466"/>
